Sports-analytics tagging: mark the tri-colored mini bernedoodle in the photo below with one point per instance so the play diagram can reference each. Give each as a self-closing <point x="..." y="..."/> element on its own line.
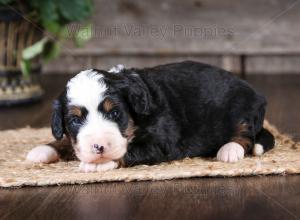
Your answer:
<point x="124" y="117"/>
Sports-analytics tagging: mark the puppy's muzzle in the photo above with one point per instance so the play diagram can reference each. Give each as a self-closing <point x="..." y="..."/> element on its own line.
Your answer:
<point x="100" y="148"/>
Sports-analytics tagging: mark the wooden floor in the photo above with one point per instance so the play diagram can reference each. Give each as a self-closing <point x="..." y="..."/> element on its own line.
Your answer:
<point x="261" y="197"/>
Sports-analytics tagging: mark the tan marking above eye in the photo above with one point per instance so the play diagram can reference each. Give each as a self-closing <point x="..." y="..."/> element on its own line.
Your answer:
<point x="108" y="105"/>
<point x="74" y="110"/>
<point x="129" y="132"/>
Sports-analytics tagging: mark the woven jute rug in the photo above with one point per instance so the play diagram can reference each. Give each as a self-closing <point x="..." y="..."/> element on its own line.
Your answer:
<point x="15" y="171"/>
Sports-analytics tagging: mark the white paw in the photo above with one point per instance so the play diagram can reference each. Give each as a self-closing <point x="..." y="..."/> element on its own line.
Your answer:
<point x="42" y="154"/>
<point x="258" y="150"/>
<point x="231" y="152"/>
<point x="100" y="167"/>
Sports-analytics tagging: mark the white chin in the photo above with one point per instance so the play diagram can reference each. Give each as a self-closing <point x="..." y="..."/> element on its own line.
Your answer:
<point x="92" y="158"/>
<point x="92" y="167"/>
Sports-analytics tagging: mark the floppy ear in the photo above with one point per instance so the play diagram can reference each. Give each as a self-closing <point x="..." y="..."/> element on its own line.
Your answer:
<point x="136" y="94"/>
<point x="57" y="120"/>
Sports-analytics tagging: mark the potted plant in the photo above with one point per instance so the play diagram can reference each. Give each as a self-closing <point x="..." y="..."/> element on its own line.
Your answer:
<point x="31" y="32"/>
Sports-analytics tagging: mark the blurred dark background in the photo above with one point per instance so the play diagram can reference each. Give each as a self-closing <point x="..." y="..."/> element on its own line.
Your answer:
<point x="239" y="35"/>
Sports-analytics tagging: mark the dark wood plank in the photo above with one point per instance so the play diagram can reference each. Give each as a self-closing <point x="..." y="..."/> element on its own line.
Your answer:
<point x="272" y="197"/>
<point x="273" y="64"/>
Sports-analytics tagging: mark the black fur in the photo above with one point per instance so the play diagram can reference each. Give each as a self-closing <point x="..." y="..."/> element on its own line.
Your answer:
<point x="185" y="109"/>
<point x="57" y="123"/>
<point x="266" y="139"/>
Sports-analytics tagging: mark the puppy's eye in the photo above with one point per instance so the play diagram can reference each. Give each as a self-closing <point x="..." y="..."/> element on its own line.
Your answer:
<point x="75" y="121"/>
<point x="114" y="114"/>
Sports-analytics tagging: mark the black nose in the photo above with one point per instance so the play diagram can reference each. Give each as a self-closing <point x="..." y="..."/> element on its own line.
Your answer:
<point x="98" y="149"/>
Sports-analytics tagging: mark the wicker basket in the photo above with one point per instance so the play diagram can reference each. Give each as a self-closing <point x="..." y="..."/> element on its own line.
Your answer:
<point x="16" y="34"/>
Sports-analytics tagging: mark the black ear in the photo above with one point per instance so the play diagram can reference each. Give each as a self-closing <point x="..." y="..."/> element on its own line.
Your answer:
<point x="136" y="93"/>
<point x="57" y="120"/>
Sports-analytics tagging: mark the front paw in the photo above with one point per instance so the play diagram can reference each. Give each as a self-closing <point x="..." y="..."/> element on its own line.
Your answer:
<point x="231" y="152"/>
<point x="100" y="167"/>
<point x="42" y="154"/>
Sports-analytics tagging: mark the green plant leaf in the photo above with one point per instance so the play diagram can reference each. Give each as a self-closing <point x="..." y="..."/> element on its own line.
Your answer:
<point x="51" y="51"/>
<point x="52" y="26"/>
<point x="47" y="10"/>
<point x="25" y="67"/>
<point x="83" y="35"/>
<point x="34" y="50"/>
<point x="75" y="10"/>
<point x="64" y="32"/>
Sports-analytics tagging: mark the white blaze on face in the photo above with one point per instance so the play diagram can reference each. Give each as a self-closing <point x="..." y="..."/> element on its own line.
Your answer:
<point x="87" y="89"/>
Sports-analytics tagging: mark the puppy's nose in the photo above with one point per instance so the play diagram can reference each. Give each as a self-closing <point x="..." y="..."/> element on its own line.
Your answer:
<point x="99" y="149"/>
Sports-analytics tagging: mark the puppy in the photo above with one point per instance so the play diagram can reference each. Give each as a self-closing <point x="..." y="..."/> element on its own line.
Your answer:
<point x="126" y="117"/>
